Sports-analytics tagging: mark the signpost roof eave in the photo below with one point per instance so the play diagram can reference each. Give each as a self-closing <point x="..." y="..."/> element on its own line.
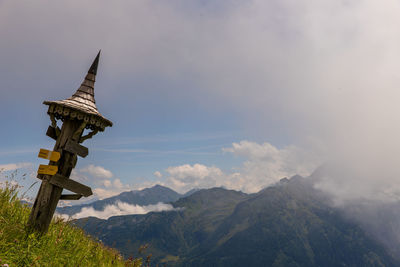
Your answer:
<point x="82" y="101"/>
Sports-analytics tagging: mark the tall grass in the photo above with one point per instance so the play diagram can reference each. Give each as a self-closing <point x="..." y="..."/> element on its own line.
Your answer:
<point x="62" y="245"/>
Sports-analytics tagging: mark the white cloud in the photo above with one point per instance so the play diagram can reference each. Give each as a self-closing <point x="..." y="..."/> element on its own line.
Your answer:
<point x="97" y="171"/>
<point x="77" y="175"/>
<point x="185" y="177"/>
<point x="101" y="193"/>
<point x="254" y="150"/>
<point x="264" y="165"/>
<point x="120" y="208"/>
<point x="110" y="188"/>
<point x="157" y="174"/>
<point x="117" y="184"/>
<point x="15" y="166"/>
<point x="197" y="171"/>
<point x="107" y="183"/>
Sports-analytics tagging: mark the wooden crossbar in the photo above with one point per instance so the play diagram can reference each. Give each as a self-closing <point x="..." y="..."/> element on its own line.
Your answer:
<point x="74" y="147"/>
<point x="71" y="185"/>
<point x="71" y="197"/>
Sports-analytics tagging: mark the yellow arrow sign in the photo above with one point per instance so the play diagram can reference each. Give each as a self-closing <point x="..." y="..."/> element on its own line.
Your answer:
<point x="47" y="169"/>
<point x="51" y="155"/>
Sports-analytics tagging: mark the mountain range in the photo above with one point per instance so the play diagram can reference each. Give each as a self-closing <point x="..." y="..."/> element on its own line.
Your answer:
<point x="147" y="196"/>
<point x="288" y="224"/>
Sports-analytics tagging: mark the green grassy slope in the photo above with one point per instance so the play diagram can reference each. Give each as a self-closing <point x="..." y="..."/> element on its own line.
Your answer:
<point x="63" y="245"/>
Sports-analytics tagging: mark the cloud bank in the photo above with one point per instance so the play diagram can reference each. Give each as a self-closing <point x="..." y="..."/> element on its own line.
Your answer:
<point x="120" y="208"/>
<point x="109" y="188"/>
<point x="322" y="75"/>
<point x="15" y="166"/>
<point x="264" y="164"/>
<point x="97" y="171"/>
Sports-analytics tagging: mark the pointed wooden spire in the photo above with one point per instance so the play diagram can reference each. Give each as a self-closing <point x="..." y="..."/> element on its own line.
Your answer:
<point x="83" y="99"/>
<point x="84" y="96"/>
<point x="93" y="68"/>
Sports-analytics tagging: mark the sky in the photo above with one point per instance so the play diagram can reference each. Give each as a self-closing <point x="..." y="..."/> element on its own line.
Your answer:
<point x="210" y="93"/>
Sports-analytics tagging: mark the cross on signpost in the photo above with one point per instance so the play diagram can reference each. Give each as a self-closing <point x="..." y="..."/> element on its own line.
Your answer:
<point x="77" y="113"/>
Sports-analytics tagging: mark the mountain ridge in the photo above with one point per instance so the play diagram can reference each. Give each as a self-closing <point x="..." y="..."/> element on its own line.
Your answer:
<point x="144" y="197"/>
<point x="288" y="224"/>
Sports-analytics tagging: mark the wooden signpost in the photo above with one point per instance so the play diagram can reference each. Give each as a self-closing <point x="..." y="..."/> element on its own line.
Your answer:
<point x="77" y="113"/>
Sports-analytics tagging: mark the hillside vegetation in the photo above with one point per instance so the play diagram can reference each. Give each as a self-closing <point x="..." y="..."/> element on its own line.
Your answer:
<point x="63" y="245"/>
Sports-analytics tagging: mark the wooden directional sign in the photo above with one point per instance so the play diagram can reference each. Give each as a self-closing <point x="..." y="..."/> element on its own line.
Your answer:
<point x="74" y="147"/>
<point x="50" y="155"/>
<point x="71" y="185"/>
<point x="47" y="169"/>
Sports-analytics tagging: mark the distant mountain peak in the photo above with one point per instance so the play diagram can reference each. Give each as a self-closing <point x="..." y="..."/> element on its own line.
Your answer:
<point x="160" y="186"/>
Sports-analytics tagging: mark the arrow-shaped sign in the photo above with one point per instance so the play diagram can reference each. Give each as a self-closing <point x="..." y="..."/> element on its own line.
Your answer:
<point x="47" y="169"/>
<point x="74" y="147"/>
<point x="50" y="155"/>
<point x="71" y="185"/>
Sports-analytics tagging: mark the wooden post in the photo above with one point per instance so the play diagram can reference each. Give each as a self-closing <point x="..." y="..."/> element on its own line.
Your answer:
<point x="77" y="113"/>
<point x="49" y="195"/>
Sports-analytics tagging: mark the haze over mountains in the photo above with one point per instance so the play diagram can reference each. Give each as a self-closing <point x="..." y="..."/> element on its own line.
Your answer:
<point x="132" y="202"/>
<point x="288" y="224"/>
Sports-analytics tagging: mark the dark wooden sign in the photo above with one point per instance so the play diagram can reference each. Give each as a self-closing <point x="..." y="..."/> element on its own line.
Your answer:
<point x="76" y="148"/>
<point x="71" y="185"/>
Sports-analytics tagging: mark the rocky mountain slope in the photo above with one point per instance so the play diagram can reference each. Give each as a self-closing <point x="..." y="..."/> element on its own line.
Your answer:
<point x="289" y="224"/>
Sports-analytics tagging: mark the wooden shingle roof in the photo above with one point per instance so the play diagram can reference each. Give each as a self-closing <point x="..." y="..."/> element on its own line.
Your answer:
<point x="82" y="101"/>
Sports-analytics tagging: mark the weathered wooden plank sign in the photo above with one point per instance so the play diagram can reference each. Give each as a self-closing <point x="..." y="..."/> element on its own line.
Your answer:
<point x="76" y="116"/>
<point x="50" y="155"/>
<point x="71" y="185"/>
<point x="47" y="169"/>
<point x="76" y="148"/>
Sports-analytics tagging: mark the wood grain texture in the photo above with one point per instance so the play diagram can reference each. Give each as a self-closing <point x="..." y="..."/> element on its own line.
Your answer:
<point x="74" y="147"/>
<point x="70" y="197"/>
<point x="71" y="185"/>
